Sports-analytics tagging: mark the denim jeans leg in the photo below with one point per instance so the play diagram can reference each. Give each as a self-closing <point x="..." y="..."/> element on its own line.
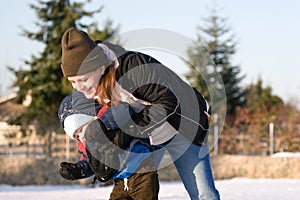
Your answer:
<point x="193" y="166"/>
<point x="157" y="154"/>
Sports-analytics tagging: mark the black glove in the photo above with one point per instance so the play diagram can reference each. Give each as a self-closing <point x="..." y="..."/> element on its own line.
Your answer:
<point x="70" y="171"/>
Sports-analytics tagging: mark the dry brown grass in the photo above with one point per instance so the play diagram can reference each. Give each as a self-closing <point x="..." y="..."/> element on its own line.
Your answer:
<point x="25" y="171"/>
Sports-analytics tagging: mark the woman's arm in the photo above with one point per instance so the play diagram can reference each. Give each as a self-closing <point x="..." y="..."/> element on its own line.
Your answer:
<point x="147" y="79"/>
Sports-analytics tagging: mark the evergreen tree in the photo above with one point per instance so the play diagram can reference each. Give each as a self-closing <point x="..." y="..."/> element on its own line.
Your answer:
<point x="261" y="100"/>
<point x="44" y="81"/>
<point x="212" y="57"/>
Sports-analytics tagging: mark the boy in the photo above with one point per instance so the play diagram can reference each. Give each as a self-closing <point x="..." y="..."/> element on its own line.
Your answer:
<point x="134" y="179"/>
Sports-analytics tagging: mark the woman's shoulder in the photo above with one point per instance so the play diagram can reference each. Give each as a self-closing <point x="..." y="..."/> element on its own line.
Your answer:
<point x="137" y="58"/>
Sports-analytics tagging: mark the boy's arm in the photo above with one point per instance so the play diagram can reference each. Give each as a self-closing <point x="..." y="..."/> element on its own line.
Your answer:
<point x="74" y="171"/>
<point x="78" y="170"/>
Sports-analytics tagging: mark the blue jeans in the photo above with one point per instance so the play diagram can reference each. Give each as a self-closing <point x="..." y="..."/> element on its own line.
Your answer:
<point x="193" y="165"/>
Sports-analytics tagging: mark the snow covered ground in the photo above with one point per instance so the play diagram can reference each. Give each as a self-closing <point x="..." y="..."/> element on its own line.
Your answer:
<point x="231" y="189"/>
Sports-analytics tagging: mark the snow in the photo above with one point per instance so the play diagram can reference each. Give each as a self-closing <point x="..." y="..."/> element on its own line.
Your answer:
<point x="230" y="189"/>
<point x="286" y="154"/>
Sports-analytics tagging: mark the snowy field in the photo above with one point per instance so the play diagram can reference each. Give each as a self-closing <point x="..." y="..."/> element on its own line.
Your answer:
<point x="232" y="189"/>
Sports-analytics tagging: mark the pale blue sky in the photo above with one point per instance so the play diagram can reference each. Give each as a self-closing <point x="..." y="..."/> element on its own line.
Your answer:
<point x="267" y="33"/>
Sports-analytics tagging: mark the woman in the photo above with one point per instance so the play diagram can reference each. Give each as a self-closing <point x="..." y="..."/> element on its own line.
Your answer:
<point x="151" y="102"/>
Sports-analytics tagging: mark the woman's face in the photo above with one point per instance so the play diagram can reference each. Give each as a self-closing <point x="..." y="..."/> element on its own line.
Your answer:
<point x="87" y="83"/>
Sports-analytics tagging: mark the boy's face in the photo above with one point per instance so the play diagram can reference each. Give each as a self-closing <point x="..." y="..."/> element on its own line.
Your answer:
<point x="79" y="133"/>
<point x="87" y="83"/>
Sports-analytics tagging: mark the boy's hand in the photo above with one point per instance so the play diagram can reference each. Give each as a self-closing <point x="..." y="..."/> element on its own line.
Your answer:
<point x="70" y="171"/>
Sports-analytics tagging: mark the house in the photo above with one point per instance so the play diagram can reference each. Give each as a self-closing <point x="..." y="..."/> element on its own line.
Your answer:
<point x="8" y="110"/>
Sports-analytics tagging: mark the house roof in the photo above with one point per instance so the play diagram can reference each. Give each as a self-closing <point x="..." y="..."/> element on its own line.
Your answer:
<point x="9" y="107"/>
<point x="8" y="97"/>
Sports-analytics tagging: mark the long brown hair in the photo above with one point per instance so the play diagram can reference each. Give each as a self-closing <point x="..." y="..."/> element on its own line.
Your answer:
<point x="106" y="84"/>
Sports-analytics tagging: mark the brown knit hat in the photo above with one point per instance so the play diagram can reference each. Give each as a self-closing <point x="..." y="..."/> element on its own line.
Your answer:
<point x="80" y="54"/>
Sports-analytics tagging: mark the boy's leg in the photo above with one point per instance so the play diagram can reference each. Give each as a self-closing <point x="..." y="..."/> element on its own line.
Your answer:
<point x="144" y="183"/>
<point x="144" y="186"/>
<point x="193" y="165"/>
<point x="118" y="192"/>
